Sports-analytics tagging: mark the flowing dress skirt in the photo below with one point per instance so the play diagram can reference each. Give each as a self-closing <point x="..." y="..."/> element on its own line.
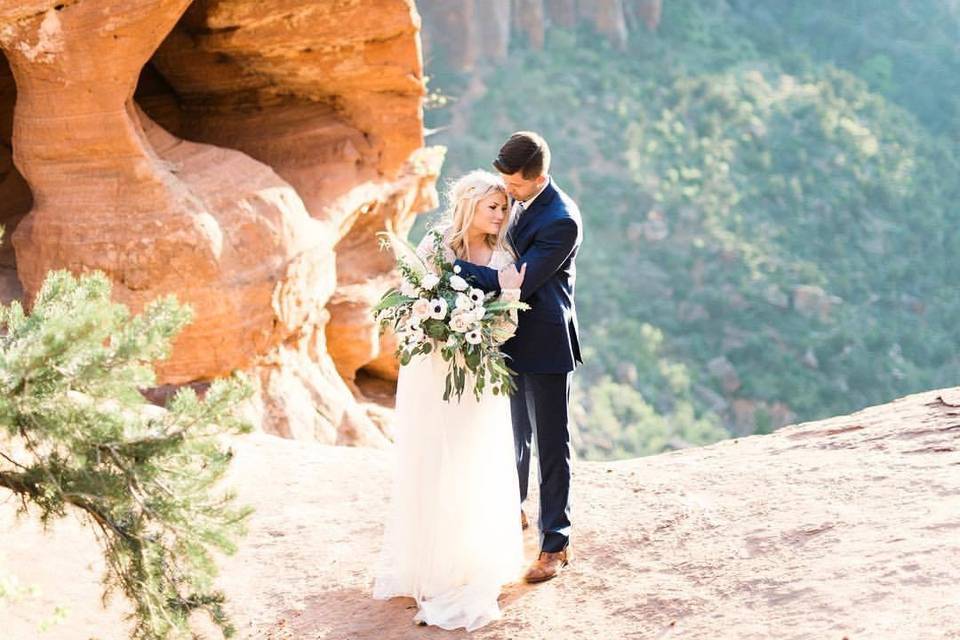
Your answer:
<point x="452" y="534"/>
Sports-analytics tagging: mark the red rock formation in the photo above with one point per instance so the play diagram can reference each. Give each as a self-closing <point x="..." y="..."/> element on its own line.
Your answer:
<point x="563" y="13"/>
<point x="460" y="34"/>
<point x="273" y="142"/>
<point x="608" y="17"/>
<point x="529" y="20"/>
<point x="647" y="11"/>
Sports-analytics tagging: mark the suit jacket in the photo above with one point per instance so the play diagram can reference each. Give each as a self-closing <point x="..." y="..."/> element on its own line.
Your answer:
<point x="547" y="237"/>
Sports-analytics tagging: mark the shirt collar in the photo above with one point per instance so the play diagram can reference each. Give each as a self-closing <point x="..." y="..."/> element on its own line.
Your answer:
<point x="525" y="204"/>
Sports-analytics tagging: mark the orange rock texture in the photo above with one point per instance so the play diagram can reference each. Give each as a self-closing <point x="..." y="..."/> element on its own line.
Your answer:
<point x="241" y="155"/>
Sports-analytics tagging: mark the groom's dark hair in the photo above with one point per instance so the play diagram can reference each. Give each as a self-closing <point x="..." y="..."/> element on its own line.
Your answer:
<point x="525" y="151"/>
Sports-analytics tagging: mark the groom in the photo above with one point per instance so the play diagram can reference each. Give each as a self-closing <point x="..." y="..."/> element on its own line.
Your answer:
<point x="546" y="233"/>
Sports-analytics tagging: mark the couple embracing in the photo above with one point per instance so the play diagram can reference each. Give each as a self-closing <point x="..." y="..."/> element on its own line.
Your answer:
<point x="453" y="533"/>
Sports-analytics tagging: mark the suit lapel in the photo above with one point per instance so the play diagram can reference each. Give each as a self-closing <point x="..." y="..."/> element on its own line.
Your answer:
<point x="525" y="222"/>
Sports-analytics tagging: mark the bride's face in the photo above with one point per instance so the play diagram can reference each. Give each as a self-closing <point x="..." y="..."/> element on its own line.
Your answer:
<point x="491" y="214"/>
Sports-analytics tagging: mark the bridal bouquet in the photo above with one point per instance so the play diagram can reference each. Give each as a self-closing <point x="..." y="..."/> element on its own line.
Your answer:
<point x="436" y="309"/>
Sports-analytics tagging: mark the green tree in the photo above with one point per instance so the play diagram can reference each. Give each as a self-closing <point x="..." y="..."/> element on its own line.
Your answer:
<point x="76" y="432"/>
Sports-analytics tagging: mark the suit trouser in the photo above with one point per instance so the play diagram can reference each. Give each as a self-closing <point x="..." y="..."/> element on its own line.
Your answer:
<point x="539" y="410"/>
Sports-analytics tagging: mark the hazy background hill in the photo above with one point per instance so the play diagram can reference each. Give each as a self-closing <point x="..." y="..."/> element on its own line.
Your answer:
<point x="769" y="190"/>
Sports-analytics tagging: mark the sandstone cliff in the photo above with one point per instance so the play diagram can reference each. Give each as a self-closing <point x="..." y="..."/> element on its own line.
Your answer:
<point x="239" y="154"/>
<point x="844" y="528"/>
<point x="464" y="33"/>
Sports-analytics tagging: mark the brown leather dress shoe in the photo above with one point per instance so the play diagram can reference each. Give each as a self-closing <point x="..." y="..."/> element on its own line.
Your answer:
<point x="547" y="566"/>
<point x="523" y="520"/>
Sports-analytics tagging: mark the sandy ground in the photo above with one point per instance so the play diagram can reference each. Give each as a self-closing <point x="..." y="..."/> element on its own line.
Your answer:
<point x="845" y="528"/>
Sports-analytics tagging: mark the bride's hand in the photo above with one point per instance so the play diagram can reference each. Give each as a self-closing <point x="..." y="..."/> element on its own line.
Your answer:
<point x="511" y="278"/>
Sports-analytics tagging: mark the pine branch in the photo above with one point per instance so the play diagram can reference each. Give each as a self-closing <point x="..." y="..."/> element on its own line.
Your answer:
<point x="69" y="397"/>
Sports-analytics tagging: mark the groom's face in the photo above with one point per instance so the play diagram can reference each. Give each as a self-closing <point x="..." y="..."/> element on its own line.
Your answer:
<point x="521" y="188"/>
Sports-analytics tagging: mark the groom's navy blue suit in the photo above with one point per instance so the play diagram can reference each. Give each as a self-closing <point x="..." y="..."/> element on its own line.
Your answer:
<point x="544" y="351"/>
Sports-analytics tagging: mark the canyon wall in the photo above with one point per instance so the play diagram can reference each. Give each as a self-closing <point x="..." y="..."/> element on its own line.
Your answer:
<point x="462" y="33"/>
<point x="240" y="155"/>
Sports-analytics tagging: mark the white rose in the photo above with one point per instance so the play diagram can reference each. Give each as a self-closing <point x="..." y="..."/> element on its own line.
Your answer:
<point x="478" y="313"/>
<point x="438" y="308"/>
<point x="460" y="323"/>
<point x="430" y="281"/>
<point x="464" y="302"/>
<point x="458" y="283"/>
<point x="421" y="309"/>
<point x="474" y="336"/>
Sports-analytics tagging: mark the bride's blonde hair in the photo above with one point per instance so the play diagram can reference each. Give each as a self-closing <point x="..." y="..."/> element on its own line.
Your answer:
<point x="463" y="195"/>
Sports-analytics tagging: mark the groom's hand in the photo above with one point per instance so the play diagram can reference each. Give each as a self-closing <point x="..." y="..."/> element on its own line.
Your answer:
<point x="510" y="277"/>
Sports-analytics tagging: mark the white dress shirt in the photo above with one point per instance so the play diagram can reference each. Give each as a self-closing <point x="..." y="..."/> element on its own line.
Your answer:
<point x="526" y="203"/>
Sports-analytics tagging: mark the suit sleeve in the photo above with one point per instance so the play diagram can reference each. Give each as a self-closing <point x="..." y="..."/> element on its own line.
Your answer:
<point x="550" y="249"/>
<point x="484" y="278"/>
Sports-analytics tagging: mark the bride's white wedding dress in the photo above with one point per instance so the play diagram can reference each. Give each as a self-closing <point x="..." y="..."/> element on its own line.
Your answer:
<point x="452" y="535"/>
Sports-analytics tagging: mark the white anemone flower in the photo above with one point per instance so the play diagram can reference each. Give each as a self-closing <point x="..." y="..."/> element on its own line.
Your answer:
<point x="438" y="308"/>
<point x="475" y="295"/>
<point x="474" y="336"/>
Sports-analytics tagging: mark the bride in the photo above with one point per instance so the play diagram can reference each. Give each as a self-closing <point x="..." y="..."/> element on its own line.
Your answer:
<point x="452" y="536"/>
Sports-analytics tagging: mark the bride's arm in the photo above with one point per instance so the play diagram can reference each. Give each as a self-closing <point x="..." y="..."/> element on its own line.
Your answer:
<point x="506" y="326"/>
